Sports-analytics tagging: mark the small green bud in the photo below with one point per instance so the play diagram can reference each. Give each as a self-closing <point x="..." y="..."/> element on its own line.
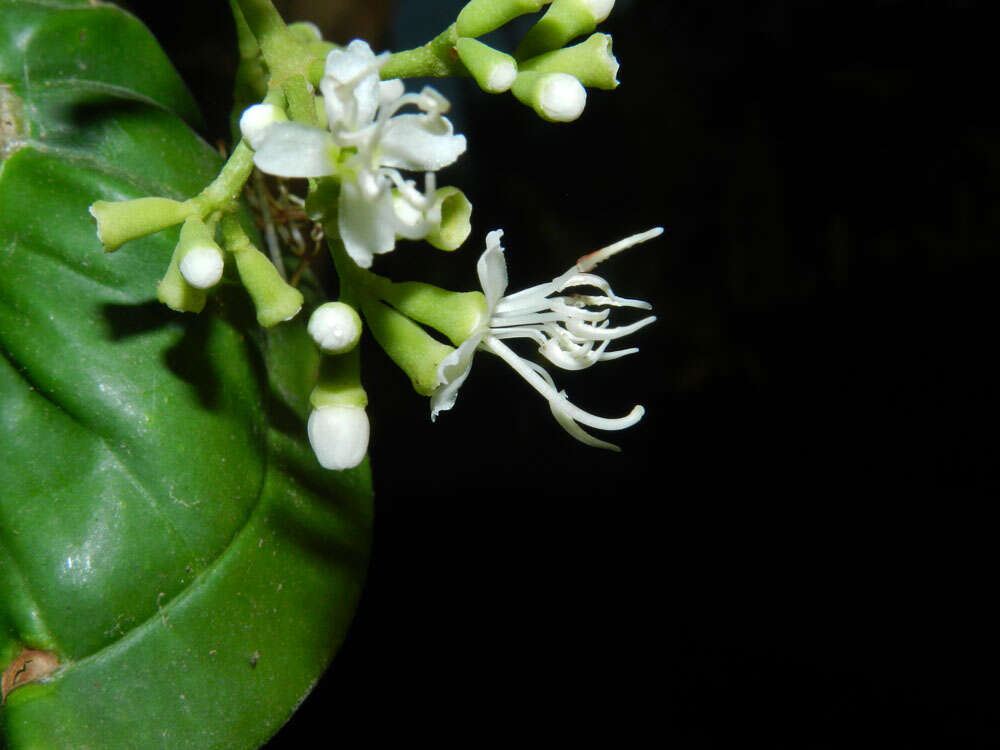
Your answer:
<point x="590" y="62"/>
<point x="452" y="212"/>
<point x="338" y="426"/>
<point x="556" y="97"/>
<point x="119" y="222"/>
<point x="493" y="70"/>
<point x="563" y="21"/>
<point x="274" y="299"/>
<point x="413" y="350"/>
<point x="335" y="327"/>
<point x="480" y="17"/>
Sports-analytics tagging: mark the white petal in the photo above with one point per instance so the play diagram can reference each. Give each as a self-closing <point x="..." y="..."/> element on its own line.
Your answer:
<point x="294" y="150"/>
<point x="344" y="64"/>
<point x="452" y="372"/>
<point x="366" y="226"/>
<point x="492" y="270"/>
<point x="257" y="119"/>
<point x="339" y="436"/>
<point x="419" y="143"/>
<point x="202" y="266"/>
<point x="389" y="91"/>
<point x="410" y="222"/>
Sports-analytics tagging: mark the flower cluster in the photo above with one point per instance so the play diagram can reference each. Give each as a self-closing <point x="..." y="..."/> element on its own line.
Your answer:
<point x="569" y="333"/>
<point x="365" y="143"/>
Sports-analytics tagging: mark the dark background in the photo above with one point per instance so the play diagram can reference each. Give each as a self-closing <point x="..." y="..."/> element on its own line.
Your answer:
<point x="798" y="545"/>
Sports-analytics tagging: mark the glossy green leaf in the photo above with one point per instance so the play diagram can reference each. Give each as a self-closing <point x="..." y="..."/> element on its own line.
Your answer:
<point x="164" y="526"/>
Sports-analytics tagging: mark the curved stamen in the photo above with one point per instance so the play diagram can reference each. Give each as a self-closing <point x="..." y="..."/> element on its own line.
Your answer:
<point x="600" y="334"/>
<point x="550" y="394"/>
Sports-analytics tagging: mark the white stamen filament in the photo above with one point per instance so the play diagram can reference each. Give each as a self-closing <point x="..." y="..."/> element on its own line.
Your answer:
<point x="589" y="261"/>
<point x="551" y="395"/>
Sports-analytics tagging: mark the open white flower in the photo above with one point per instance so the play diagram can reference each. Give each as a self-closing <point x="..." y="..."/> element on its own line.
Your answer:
<point x="568" y="332"/>
<point x="366" y="144"/>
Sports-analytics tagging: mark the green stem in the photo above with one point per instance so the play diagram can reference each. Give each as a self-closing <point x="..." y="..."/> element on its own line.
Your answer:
<point x="437" y="58"/>
<point x="283" y="54"/>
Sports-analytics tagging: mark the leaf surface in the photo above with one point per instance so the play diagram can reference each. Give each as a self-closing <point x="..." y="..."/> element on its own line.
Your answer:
<point x="164" y="527"/>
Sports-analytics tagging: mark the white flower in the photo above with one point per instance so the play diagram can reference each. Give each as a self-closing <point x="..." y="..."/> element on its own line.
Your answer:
<point x="568" y="333"/>
<point x="366" y="145"/>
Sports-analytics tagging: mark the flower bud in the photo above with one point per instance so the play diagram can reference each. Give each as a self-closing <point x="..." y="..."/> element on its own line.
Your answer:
<point x="339" y="436"/>
<point x="590" y="62"/>
<point x="119" y="222"/>
<point x="556" y="97"/>
<point x="563" y="21"/>
<point x="274" y="299"/>
<point x="493" y="70"/>
<point x="335" y="327"/>
<point x="480" y="17"/>
<point x="199" y="258"/>
<point x="257" y="119"/>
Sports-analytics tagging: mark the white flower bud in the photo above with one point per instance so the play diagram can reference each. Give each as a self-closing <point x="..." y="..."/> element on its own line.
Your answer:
<point x="257" y="119"/>
<point x="335" y="327"/>
<point x="339" y="436"/>
<point x="561" y="97"/>
<point x="201" y="266"/>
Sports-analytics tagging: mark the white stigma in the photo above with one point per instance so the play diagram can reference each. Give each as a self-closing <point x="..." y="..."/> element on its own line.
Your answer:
<point x="501" y="77"/>
<point x="201" y="266"/>
<point x="599" y="9"/>
<point x="562" y="97"/>
<point x="257" y="119"/>
<point x="339" y="436"/>
<point x="335" y="327"/>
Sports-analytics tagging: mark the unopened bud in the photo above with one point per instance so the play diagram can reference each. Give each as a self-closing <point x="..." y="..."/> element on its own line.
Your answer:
<point x="257" y="119"/>
<point x="556" y="97"/>
<point x="335" y="327"/>
<point x="493" y="70"/>
<point x="199" y="258"/>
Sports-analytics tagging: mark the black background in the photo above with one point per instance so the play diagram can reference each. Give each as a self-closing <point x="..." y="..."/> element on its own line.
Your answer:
<point x="798" y="545"/>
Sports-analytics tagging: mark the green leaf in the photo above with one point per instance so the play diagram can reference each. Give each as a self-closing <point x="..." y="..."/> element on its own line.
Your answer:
<point x="164" y="527"/>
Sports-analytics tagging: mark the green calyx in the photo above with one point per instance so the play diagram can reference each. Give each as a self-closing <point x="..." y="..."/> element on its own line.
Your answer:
<point x="274" y="299"/>
<point x="455" y="314"/>
<point x="455" y="223"/>
<point x="119" y="222"/>
<point x="414" y="351"/>
<point x="339" y="382"/>
<point x="591" y="62"/>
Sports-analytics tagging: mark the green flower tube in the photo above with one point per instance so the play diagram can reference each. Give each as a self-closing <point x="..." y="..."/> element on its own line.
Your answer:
<point x="480" y="17"/>
<point x="492" y="69"/>
<point x="591" y="62"/>
<point x="563" y="21"/>
<point x="274" y="299"/>
<point x="119" y="222"/>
